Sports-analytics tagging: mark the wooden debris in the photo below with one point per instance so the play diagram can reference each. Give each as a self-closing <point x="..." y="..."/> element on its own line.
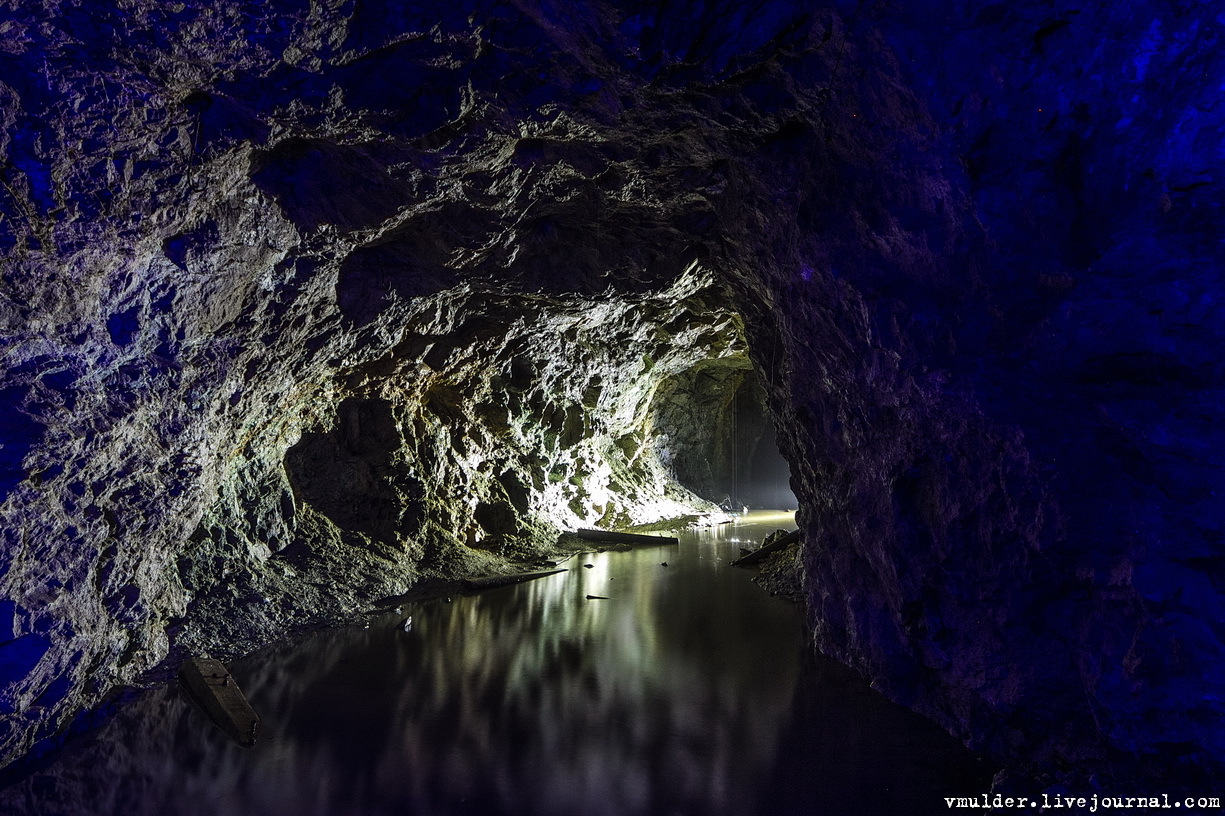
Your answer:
<point x="213" y="688"/>
<point x="639" y="539"/>
<point x="598" y="598"/>
<point x="492" y="581"/>
<point x="760" y="554"/>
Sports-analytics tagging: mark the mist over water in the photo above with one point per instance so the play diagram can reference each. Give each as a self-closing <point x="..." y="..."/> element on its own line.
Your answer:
<point x="685" y="691"/>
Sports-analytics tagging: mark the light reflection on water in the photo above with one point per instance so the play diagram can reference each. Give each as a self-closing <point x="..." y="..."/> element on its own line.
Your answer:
<point x="677" y="695"/>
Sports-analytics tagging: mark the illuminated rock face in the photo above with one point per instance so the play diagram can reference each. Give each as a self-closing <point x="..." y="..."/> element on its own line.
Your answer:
<point x="304" y="305"/>
<point x="492" y="421"/>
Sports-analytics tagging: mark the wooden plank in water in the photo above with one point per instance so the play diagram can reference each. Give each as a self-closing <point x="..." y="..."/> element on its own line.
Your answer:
<point x="491" y="581"/>
<point x="760" y="554"/>
<point x="213" y="688"/>
<point x="637" y="539"/>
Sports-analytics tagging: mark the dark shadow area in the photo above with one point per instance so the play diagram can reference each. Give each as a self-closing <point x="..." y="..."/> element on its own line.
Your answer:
<point x="886" y="759"/>
<point x="349" y="473"/>
<point x="409" y="261"/>
<point x="320" y="182"/>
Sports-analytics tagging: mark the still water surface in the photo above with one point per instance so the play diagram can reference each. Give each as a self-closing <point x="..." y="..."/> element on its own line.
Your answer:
<point x="687" y="691"/>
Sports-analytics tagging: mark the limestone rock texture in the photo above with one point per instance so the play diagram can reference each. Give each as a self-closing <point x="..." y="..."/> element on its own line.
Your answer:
<point x="304" y="303"/>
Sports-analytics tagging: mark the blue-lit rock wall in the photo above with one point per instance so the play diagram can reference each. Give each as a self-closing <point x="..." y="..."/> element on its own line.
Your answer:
<point x="1088" y="139"/>
<point x="975" y="250"/>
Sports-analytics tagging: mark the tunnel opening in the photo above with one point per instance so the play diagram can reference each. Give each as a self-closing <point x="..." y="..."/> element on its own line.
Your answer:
<point x="713" y="427"/>
<point x="495" y="422"/>
<point x="502" y="419"/>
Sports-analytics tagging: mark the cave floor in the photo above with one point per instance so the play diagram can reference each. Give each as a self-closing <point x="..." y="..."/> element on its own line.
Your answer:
<point x="684" y="689"/>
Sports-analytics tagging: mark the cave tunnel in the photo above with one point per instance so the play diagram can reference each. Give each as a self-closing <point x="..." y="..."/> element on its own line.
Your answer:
<point x="726" y="448"/>
<point x="307" y="305"/>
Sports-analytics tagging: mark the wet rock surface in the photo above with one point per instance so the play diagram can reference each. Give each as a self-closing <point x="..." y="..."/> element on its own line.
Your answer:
<point x="782" y="570"/>
<point x="302" y="306"/>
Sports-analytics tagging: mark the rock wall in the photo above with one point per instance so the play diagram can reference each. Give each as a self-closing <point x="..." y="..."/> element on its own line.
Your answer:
<point x="1084" y="136"/>
<point x="494" y="421"/>
<point x="311" y="301"/>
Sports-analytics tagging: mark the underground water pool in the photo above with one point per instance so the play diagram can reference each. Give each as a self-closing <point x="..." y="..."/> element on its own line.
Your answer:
<point x="683" y="689"/>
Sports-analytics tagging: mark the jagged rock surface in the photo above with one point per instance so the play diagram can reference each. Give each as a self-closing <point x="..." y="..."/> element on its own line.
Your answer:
<point x="302" y="304"/>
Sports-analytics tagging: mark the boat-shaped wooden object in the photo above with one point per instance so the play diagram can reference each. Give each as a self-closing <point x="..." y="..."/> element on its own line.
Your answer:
<point x="213" y="688"/>
<point x="633" y="539"/>
<point x="494" y="581"/>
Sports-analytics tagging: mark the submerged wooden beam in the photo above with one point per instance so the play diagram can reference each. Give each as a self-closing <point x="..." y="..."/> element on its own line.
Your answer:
<point x="491" y="581"/>
<point x="760" y="554"/>
<point x="626" y="538"/>
<point x="213" y="688"/>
